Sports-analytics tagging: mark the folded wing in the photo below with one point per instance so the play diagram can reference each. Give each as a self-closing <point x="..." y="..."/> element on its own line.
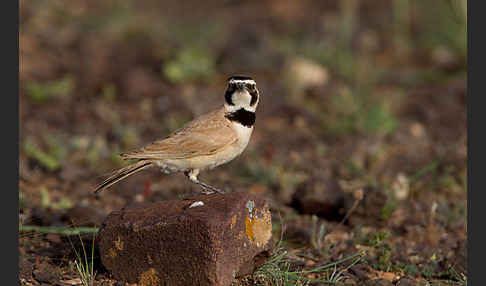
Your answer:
<point x="205" y="135"/>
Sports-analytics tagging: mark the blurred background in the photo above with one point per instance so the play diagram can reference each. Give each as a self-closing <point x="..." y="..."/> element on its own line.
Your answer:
<point x="360" y="131"/>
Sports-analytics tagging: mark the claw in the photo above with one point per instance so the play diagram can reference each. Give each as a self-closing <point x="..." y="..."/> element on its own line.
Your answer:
<point x="208" y="189"/>
<point x="206" y="192"/>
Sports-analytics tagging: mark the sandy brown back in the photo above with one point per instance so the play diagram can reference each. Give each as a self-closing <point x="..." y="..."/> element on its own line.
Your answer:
<point x="205" y="135"/>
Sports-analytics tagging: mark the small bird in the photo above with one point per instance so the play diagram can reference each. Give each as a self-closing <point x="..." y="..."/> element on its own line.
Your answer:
<point x="206" y="142"/>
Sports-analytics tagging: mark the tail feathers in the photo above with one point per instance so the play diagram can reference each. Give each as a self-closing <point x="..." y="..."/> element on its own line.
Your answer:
<point x="121" y="174"/>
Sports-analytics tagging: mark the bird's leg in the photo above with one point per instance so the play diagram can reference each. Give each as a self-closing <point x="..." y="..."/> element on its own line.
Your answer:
<point x="208" y="189"/>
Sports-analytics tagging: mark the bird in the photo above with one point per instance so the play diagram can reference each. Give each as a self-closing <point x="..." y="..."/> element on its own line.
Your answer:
<point x="208" y="141"/>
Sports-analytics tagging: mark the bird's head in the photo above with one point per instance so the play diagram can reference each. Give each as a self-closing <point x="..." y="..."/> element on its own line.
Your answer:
<point x="241" y="93"/>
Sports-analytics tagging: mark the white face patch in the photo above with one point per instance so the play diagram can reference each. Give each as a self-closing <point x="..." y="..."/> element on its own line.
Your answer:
<point x="241" y="98"/>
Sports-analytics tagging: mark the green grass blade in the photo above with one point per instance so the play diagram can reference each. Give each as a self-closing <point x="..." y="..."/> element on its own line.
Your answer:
<point x="58" y="229"/>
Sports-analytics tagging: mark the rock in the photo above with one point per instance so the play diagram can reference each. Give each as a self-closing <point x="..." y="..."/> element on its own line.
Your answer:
<point x="208" y="239"/>
<point x="298" y="233"/>
<point x="360" y="271"/>
<point x="370" y="208"/>
<point x="46" y="273"/>
<point x="25" y="269"/>
<point x="304" y="73"/>
<point x="322" y="198"/>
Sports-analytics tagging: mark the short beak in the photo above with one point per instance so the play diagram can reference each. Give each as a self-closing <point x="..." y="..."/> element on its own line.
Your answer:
<point x="240" y="85"/>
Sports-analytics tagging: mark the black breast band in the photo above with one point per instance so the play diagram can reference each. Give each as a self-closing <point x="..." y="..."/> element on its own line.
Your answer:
<point x="242" y="116"/>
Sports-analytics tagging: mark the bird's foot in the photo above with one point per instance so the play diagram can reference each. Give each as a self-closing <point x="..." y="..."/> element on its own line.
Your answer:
<point x="206" y="192"/>
<point x="208" y="189"/>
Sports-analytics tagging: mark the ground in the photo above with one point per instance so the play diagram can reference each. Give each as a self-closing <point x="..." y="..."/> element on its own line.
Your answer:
<point x="360" y="142"/>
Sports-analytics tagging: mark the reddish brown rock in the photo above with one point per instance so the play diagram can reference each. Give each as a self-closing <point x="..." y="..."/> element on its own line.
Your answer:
<point x="204" y="240"/>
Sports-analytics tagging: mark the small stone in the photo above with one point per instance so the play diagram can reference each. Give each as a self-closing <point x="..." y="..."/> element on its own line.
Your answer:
<point x="139" y="198"/>
<point x="417" y="129"/>
<point x="401" y="187"/>
<point x="25" y="269"/>
<point x="443" y="56"/>
<point x="307" y="72"/>
<point x="45" y="273"/>
<point x="404" y="281"/>
<point x="196" y="204"/>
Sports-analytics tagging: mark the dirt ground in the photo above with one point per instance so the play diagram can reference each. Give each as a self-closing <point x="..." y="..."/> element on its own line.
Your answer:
<point x="359" y="143"/>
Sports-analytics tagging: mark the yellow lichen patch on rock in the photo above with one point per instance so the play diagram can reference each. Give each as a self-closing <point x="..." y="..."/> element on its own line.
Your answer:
<point x="118" y="243"/>
<point x="149" y="278"/>
<point x="249" y="228"/>
<point x="233" y="222"/>
<point x="112" y="253"/>
<point x="259" y="230"/>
